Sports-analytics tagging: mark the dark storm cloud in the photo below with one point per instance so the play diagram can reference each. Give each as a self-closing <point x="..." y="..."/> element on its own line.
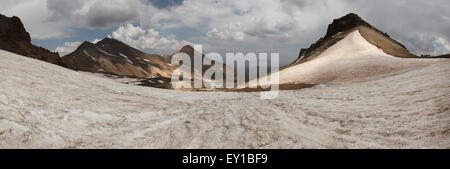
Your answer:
<point x="94" y="14"/>
<point x="62" y="9"/>
<point x="300" y="3"/>
<point x="101" y="16"/>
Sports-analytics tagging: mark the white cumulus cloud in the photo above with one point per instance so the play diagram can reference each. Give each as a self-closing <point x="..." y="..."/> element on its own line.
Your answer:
<point x="147" y="39"/>
<point x="69" y="47"/>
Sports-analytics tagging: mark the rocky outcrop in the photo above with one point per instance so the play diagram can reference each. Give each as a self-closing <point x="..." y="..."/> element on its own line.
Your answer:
<point x="14" y="38"/>
<point x="345" y="23"/>
<point x="432" y="57"/>
<point x="444" y="56"/>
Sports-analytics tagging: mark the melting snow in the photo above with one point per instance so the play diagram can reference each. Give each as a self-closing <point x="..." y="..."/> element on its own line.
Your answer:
<point x="104" y="52"/>
<point x="86" y="53"/>
<point x="143" y="70"/>
<point x="126" y="58"/>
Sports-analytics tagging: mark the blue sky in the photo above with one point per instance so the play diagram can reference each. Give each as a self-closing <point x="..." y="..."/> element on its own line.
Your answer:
<point x="165" y="3"/>
<point x="283" y="26"/>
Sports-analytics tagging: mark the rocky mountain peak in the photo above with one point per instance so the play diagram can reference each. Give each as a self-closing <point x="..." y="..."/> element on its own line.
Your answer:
<point x="14" y="38"/>
<point x="187" y="49"/>
<point x="13" y="29"/>
<point x="345" y="23"/>
<point x="86" y="44"/>
<point x="108" y="40"/>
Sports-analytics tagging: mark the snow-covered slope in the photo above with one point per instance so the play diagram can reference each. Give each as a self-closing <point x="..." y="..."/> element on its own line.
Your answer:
<point x="351" y="59"/>
<point x="47" y="106"/>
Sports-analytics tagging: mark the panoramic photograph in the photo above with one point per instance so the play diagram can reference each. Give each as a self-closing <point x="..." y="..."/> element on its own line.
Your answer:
<point x="224" y="74"/>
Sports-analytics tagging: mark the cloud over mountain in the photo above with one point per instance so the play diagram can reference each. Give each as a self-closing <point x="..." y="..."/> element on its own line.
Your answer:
<point x="147" y="39"/>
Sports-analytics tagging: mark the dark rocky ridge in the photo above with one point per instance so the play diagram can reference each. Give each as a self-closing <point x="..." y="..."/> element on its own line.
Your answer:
<point x="432" y="57"/>
<point x="444" y="56"/>
<point x="14" y="38"/>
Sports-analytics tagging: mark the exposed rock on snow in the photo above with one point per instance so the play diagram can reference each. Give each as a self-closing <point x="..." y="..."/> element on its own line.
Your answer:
<point x="47" y="106"/>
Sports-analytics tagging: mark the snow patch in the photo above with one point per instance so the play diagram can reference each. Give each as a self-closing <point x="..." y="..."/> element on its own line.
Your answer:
<point x="86" y="53"/>
<point x="143" y="70"/>
<point x="126" y="58"/>
<point x="3" y="99"/>
<point x="104" y="52"/>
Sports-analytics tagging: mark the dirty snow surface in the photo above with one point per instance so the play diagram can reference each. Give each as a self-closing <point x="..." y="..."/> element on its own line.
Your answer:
<point x="46" y="106"/>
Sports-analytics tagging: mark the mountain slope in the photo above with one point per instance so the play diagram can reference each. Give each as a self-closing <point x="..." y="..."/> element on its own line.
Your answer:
<point x="351" y="59"/>
<point x="47" y="106"/>
<point x="343" y="26"/>
<point x="351" y="51"/>
<point x="113" y="56"/>
<point x="14" y="38"/>
<point x="208" y="83"/>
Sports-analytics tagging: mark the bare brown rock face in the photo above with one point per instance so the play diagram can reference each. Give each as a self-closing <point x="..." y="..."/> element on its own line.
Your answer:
<point x="445" y="56"/>
<point x="14" y="38"/>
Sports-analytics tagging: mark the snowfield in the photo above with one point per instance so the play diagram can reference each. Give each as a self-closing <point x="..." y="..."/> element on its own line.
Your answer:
<point x="47" y="106"/>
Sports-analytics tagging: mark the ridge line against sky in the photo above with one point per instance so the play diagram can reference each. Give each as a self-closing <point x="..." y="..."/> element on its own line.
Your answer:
<point x="284" y="26"/>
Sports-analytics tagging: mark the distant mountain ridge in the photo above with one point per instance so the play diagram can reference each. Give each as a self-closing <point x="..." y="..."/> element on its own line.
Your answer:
<point x="14" y="38"/>
<point x="112" y="56"/>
